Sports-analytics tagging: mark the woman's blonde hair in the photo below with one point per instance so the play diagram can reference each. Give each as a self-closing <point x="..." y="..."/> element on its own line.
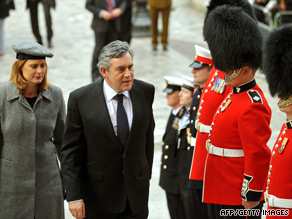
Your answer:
<point x="17" y="78"/>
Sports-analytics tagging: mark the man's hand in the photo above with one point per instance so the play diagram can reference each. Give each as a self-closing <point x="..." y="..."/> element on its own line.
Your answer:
<point x="106" y="15"/>
<point x="77" y="209"/>
<point x="249" y="204"/>
<point x="116" y="13"/>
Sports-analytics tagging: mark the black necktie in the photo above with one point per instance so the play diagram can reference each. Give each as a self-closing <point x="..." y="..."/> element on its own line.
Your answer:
<point x="122" y="121"/>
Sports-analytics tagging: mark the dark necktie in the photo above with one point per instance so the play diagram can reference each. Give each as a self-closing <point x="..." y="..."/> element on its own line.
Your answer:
<point x="122" y="121"/>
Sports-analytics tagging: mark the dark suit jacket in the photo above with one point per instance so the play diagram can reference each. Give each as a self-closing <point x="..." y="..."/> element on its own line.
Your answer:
<point x="99" y="24"/>
<point x="95" y="167"/>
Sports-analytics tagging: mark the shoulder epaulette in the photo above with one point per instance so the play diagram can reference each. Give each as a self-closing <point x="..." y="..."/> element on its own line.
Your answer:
<point x="255" y="96"/>
<point x="181" y="112"/>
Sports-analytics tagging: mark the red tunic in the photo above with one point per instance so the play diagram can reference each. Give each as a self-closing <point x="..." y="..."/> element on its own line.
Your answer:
<point x="243" y="124"/>
<point x="210" y="101"/>
<point x="280" y="173"/>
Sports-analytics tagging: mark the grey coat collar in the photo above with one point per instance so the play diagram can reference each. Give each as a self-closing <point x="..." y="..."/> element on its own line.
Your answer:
<point x="12" y="92"/>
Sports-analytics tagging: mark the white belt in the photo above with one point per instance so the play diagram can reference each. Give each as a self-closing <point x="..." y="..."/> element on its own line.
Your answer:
<point x="202" y="128"/>
<point x="193" y="141"/>
<point x="273" y="201"/>
<point x="223" y="152"/>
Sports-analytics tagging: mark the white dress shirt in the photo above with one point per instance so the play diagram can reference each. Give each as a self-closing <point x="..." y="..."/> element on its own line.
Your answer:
<point x="175" y="111"/>
<point x="112" y="105"/>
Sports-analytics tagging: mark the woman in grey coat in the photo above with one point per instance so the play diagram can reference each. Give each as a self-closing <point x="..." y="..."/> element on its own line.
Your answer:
<point x="32" y="114"/>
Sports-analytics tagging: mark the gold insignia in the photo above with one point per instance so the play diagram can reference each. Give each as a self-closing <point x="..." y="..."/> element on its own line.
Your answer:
<point x="238" y="89"/>
<point x="189" y="138"/>
<point x="284" y="143"/>
<point x="181" y="112"/>
<point x="226" y="105"/>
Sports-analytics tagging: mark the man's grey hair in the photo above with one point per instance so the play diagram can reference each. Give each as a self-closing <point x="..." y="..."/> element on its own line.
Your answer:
<point x="115" y="49"/>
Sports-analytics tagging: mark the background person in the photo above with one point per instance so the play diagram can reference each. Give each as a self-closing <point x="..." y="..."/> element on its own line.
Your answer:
<point x="156" y="7"/>
<point x="106" y="24"/>
<point x="5" y="6"/>
<point x="126" y="17"/>
<point x="32" y="5"/>
<point x="169" y="176"/>
<point x="32" y="114"/>
<point x="108" y="145"/>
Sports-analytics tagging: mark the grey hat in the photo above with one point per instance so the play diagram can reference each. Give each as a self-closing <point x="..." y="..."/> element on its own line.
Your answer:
<point x="31" y="50"/>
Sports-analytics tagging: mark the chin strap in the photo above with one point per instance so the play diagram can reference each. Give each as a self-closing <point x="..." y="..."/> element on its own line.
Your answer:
<point x="285" y="102"/>
<point x="233" y="75"/>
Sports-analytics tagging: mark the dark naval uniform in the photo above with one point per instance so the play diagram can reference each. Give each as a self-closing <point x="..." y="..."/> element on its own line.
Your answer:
<point x="187" y="186"/>
<point x="240" y="155"/>
<point x="191" y="189"/>
<point x="169" y="180"/>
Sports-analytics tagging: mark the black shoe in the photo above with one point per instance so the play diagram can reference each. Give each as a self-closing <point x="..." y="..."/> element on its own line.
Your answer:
<point x="154" y="48"/>
<point x="40" y="42"/>
<point x="164" y="48"/>
<point x="50" y="45"/>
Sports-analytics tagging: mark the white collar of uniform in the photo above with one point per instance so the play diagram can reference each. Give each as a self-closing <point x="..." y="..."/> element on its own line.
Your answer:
<point x="175" y="111"/>
<point x="111" y="93"/>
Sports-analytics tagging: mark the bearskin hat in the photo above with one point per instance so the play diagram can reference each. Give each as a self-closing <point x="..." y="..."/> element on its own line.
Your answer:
<point x="234" y="38"/>
<point x="244" y="4"/>
<point x="277" y="59"/>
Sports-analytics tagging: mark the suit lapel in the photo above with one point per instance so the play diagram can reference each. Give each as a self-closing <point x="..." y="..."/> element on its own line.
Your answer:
<point x="98" y="102"/>
<point x="137" y="104"/>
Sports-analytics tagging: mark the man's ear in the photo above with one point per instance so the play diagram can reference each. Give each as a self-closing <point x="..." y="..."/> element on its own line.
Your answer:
<point x="246" y="70"/>
<point x="102" y="71"/>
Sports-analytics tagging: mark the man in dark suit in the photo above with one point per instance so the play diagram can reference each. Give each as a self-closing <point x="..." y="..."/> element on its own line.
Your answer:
<point x="106" y="25"/>
<point x="126" y="34"/>
<point x="33" y="9"/>
<point x="106" y="169"/>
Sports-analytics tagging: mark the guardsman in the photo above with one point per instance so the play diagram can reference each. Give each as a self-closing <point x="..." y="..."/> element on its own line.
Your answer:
<point x="201" y="68"/>
<point x="278" y="70"/>
<point x="214" y="93"/>
<point x="169" y="179"/>
<point x="238" y="157"/>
